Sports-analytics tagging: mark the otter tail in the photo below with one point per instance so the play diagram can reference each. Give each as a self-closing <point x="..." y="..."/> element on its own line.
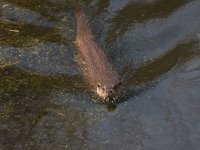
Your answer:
<point x="80" y="15"/>
<point x="82" y="22"/>
<point x="78" y="8"/>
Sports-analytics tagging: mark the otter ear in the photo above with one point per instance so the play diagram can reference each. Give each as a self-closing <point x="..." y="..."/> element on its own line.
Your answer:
<point x="98" y="85"/>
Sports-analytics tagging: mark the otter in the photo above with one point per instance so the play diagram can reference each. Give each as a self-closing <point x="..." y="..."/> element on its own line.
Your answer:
<point x="92" y="61"/>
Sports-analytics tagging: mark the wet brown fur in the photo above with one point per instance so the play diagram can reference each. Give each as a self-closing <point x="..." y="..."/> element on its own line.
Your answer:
<point x="90" y="57"/>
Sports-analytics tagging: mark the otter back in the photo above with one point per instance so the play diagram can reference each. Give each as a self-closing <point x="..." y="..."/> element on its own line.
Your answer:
<point x="90" y="57"/>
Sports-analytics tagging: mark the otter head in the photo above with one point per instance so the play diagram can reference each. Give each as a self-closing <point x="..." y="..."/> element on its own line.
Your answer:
<point x="108" y="91"/>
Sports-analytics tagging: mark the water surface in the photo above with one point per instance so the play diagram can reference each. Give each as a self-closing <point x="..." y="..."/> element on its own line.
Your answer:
<point x="154" y="45"/>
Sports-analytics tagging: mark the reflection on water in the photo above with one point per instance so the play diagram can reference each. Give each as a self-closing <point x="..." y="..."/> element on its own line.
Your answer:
<point x="137" y="12"/>
<point x="29" y="34"/>
<point x="45" y="103"/>
<point x="162" y="65"/>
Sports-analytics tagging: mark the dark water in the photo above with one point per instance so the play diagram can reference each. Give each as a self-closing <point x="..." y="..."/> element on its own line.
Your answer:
<point x="154" y="44"/>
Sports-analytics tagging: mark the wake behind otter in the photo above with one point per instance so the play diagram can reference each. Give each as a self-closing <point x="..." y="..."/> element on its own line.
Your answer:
<point x="95" y="66"/>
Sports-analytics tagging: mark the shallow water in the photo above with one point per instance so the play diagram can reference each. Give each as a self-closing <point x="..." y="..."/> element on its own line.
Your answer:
<point x="154" y="45"/>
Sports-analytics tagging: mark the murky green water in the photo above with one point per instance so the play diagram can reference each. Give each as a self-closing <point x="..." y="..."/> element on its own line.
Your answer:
<point x="154" y="45"/>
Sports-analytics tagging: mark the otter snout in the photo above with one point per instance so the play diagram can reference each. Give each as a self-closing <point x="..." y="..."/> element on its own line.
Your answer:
<point x="108" y="92"/>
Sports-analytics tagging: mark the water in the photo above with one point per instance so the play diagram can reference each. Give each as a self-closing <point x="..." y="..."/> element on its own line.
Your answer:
<point x="154" y="45"/>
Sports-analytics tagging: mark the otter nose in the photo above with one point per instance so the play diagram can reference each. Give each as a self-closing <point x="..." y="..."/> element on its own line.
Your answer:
<point x="109" y="92"/>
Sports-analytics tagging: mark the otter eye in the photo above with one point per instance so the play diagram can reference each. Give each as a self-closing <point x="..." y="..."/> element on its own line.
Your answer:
<point x="110" y="92"/>
<point x="120" y="83"/>
<point x="103" y="89"/>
